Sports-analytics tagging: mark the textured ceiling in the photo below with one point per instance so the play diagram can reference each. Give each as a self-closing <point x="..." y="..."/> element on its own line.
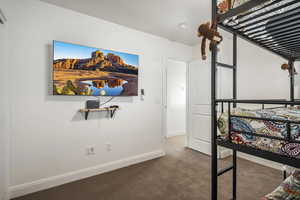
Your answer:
<point x="158" y="17"/>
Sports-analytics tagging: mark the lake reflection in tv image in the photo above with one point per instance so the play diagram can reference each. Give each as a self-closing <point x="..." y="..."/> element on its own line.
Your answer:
<point x="105" y="87"/>
<point x="81" y="70"/>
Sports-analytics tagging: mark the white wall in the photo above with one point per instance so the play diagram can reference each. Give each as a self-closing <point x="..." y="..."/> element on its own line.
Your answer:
<point x="176" y="98"/>
<point x="48" y="135"/>
<point x="297" y="80"/>
<point x="4" y="114"/>
<point x="259" y="75"/>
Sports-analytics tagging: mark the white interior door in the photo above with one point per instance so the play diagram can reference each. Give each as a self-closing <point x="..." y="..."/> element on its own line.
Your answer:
<point x="199" y="104"/>
<point x="199" y="118"/>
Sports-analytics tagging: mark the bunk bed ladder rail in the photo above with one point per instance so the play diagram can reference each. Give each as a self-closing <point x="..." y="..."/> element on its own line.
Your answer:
<point x="214" y="145"/>
<point x="215" y="171"/>
<point x="233" y="166"/>
<point x="214" y="161"/>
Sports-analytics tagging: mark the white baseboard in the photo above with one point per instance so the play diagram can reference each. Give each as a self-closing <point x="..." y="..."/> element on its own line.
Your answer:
<point x="46" y="183"/>
<point x="224" y="153"/>
<point x="201" y="146"/>
<point x="176" y="133"/>
<point x="261" y="161"/>
<point x="205" y="148"/>
<point x="255" y="159"/>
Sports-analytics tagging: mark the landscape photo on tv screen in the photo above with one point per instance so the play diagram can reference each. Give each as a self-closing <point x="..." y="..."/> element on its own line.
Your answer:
<point x="82" y="70"/>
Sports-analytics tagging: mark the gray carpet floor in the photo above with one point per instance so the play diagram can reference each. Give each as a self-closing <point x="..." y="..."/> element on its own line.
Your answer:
<point x="183" y="174"/>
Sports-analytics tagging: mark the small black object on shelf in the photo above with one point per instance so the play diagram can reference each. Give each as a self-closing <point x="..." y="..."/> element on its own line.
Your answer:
<point x="92" y="104"/>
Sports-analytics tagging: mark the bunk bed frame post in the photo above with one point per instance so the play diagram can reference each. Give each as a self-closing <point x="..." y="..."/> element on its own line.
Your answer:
<point x="292" y="80"/>
<point x="234" y="92"/>
<point x="234" y="153"/>
<point x="292" y="99"/>
<point x="214" y="146"/>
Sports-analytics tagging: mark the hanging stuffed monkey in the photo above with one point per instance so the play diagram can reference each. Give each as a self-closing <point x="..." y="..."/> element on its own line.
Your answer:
<point x="287" y="67"/>
<point x="209" y="32"/>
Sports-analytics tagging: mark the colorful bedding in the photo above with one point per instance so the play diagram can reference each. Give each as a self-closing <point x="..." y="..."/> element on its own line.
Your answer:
<point x="288" y="190"/>
<point x="278" y="129"/>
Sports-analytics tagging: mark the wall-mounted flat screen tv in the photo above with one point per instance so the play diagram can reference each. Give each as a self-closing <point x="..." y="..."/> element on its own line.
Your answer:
<point x="82" y="70"/>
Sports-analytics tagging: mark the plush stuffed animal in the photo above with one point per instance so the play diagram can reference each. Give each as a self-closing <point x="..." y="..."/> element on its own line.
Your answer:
<point x="287" y="67"/>
<point x="210" y="32"/>
<point x="224" y="6"/>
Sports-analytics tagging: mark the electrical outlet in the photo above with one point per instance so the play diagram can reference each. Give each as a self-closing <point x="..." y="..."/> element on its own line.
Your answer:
<point x="108" y="147"/>
<point x="90" y="150"/>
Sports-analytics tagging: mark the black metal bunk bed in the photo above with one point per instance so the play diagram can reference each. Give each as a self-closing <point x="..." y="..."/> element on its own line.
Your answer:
<point x="275" y="26"/>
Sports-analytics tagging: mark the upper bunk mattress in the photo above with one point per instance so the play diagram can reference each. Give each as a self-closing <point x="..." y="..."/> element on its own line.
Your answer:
<point x="263" y="127"/>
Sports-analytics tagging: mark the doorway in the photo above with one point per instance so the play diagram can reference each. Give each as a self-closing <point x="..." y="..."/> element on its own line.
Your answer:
<point x="176" y="103"/>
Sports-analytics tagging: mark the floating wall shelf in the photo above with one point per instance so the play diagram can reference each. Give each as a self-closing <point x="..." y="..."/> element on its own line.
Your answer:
<point x="111" y="110"/>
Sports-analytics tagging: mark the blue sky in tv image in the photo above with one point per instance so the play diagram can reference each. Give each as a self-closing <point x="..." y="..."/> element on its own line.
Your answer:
<point x="106" y="90"/>
<point x="67" y="50"/>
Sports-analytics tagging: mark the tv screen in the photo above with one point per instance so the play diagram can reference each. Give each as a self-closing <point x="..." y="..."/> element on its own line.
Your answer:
<point x="82" y="70"/>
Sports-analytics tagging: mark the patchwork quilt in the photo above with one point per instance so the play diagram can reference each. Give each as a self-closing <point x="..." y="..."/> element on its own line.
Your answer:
<point x="278" y="129"/>
<point x="288" y="190"/>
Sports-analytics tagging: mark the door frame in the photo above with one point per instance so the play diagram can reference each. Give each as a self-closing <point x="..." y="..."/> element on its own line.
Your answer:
<point x="165" y="98"/>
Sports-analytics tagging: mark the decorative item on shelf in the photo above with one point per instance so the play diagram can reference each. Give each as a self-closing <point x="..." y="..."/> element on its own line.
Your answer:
<point x="209" y="32"/>
<point x="286" y="66"/>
